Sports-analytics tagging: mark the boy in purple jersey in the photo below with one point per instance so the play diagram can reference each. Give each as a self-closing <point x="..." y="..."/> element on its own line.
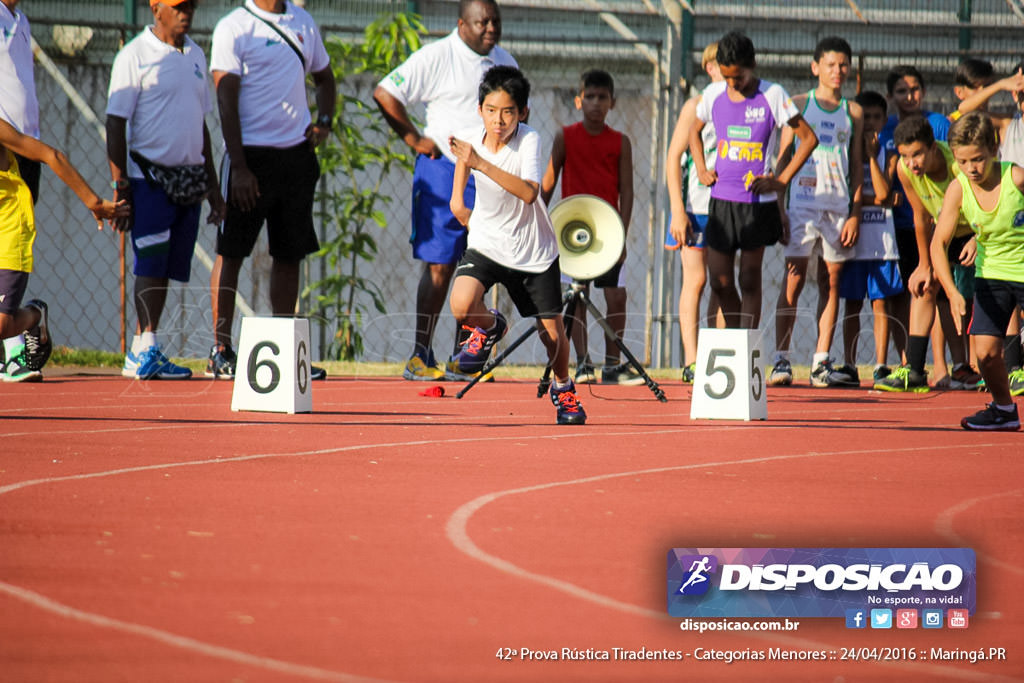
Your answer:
<point x="748" y="114"/>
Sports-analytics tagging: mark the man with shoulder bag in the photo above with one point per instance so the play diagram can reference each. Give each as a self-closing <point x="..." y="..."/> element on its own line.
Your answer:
<point x="158" y="147"/>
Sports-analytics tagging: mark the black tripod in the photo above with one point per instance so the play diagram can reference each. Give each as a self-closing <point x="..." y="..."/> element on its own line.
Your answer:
<point x="574" y="294"/>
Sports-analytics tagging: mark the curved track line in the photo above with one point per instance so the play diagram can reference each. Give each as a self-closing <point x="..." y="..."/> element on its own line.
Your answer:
<point x="181" y="642"/>
<point x="456" y="531"/>
<point x="944" y="527"/>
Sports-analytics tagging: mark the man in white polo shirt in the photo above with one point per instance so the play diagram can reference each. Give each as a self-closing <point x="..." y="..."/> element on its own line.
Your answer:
<point x="157" y="103"/>
<point x="445" y="76"/>
<point x="20" y="108"/>
<point x="260" y="57"/>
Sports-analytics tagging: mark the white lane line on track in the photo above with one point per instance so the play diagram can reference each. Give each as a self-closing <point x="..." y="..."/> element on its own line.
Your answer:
<point x="944" y="527"/>
<point x="456" y="530"/>
<point x="181" y="642"/>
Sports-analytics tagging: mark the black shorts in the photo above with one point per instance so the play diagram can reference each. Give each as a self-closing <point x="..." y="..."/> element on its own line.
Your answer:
<point x="736" y="225"/>
<point x="287" y="181"/>
<point x="534" y="294"/>
<point x="609" y="279"/>
<point x="12" y="290"/>
<point x="994" y="301"/>
<point x="29" y="170"/>
<point x="906" y="244"/>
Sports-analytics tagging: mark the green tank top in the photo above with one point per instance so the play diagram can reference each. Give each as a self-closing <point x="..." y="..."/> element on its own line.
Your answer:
<point x="931" y="193"/>
<point x="1000" y="231"/>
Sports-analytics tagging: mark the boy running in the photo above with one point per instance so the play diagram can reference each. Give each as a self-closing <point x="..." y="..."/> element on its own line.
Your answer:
<point x="511" y="240"/>
<point x="824" y="212"/>
<point x="989" y="195"/>
<point x="743" y="214"/>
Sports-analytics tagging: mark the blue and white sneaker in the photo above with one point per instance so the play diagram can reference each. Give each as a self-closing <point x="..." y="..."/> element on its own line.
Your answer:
<point x="153" y="364"/>
<point x="131" y="365"/>
<point x="569" y="411"/>
<point x="477" y="349"/>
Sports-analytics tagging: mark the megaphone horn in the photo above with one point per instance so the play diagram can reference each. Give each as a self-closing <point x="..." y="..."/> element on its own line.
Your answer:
<point x="590" y="236"/>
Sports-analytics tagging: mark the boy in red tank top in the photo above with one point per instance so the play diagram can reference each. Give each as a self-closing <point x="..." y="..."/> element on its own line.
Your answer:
<point x="593" y="158"/>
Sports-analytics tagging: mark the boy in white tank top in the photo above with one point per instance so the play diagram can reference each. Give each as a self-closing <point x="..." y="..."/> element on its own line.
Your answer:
<point x="824" y="209"/>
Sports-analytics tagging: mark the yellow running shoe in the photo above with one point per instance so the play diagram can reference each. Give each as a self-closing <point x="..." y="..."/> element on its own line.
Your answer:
<point x="418" y="371"/>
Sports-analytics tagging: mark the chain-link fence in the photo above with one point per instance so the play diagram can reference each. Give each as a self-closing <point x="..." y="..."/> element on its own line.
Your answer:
<point x="78" y="271"/>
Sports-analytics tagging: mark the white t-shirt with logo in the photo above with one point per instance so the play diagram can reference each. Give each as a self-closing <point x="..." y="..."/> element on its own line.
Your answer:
<point x="18" y="103"/>
<point x="503" y="227"/>
<point x="445" y="76"/>
<point x="164" y="96"/>
<point x="272" y="105"/>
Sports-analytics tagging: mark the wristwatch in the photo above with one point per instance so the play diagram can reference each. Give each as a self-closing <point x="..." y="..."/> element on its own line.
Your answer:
<point x="324" y="121"/>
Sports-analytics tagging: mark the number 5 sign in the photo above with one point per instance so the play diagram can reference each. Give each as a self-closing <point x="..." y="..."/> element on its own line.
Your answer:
<point x="272" y="371"/>
<point x="730" y="378"/>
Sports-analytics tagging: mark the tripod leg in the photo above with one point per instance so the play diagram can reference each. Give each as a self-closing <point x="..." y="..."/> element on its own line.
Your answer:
<point x="496" y="361"/>
<point x="569" y="304"/>
<point x="610" y="333"/>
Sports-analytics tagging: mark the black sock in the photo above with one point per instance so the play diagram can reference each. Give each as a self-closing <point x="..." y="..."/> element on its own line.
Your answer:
<point x="917" y="350"/>
<point x="1012" y="351"/>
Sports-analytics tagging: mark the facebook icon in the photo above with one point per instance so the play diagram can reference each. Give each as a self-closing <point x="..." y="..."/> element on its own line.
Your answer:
<point x="856" y="618"/>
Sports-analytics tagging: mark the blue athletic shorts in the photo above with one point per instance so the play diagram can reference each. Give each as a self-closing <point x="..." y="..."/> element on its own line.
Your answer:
<point x="437" y="237"/>
<point x="994" y="301"/>
<point x="700" y="225"/>
<point x="876" y="279"/>
<point x="163" y="233"/>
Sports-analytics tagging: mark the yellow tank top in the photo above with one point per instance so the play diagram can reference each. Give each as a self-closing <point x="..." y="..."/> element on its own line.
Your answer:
<point x="17" y="219"/>
<point x="1000" y="231"/>
<point x="931" y="193"/>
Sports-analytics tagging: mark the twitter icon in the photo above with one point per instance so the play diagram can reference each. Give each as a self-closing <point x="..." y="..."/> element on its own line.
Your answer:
<point x="881" y="618"/>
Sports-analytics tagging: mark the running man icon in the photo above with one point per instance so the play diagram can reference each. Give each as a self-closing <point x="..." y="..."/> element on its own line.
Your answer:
<point x="698" y="575"/>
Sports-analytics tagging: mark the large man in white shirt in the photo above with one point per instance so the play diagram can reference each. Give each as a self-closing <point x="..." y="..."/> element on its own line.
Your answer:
<point x="445" y="76"/>
<point x="260" y="57"/>
<point x="157" y="103"/>
<point x="20" y="108"/>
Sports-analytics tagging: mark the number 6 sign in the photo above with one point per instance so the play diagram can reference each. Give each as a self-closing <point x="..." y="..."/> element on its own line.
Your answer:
<point x="272" y="371"/>
<point x="730" y="378"/>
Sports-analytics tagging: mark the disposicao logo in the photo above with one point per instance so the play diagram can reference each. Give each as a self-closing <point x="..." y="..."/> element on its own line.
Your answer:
<point x="697" y="580"/>
<point x="817" y="582"/>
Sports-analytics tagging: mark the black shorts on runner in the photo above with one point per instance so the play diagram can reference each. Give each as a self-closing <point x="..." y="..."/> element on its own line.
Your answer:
<point x="534" y="294"/>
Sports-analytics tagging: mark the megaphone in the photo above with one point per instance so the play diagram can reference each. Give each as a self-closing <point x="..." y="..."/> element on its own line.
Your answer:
<point x="590" y="236"/>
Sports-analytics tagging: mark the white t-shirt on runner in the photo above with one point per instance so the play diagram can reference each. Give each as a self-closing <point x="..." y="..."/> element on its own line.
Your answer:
<point x="445" y="76"/>
<point x="272" y="106"/>
<point x="503" y="227"/>
<point x="18" y="103"/>
<point x="164" y="95"/>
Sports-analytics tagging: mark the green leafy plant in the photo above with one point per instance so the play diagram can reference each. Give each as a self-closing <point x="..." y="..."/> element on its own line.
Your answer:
<point x="355" y="162"/>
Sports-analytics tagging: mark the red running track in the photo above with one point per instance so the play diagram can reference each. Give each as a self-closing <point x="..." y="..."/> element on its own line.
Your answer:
<point x="149" y="533"/>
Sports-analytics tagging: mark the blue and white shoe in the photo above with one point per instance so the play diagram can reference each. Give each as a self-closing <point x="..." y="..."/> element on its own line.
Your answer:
<point x="131" y="365"/>
<point x="477" y="349"/>
<point x="153" y="364"/>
